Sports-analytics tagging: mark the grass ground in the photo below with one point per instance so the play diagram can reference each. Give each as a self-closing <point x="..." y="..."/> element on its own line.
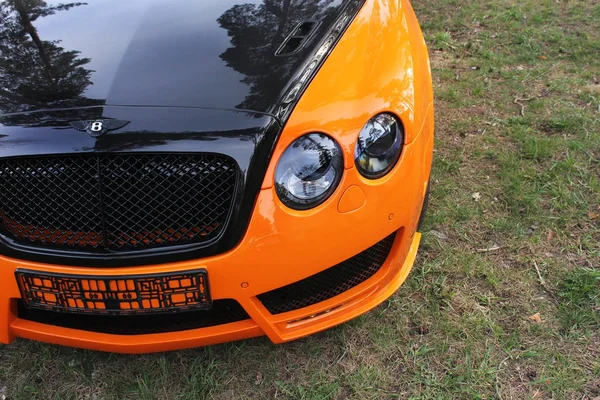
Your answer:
<point x="513" y="231"/>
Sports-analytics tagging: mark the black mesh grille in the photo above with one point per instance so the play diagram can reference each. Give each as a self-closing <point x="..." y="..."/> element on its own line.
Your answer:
<point x="121" y="202"/>
<point x="329" y="283"/>
<point x="222" y="312"/>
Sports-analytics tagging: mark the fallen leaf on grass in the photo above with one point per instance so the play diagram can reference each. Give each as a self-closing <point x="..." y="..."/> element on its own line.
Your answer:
<point x="593" y="215"/>
<point x="550" y="235"/>
<point x="476" y="196"/>
<point x="537" y="318"/>
<point x="493" y="247"/>
<point x="438" y="235"/>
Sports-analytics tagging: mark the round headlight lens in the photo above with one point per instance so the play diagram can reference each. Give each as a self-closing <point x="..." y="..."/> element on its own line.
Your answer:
<point x="379" y="146"/>
<point x="309" y="171"/>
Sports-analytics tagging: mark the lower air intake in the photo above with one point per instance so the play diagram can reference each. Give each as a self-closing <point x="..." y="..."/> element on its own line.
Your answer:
<point x="329" y="283"/>
<point x="222" y="312"/>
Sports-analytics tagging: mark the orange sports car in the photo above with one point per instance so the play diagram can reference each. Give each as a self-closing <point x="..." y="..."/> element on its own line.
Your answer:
<point x="179" y="174"/>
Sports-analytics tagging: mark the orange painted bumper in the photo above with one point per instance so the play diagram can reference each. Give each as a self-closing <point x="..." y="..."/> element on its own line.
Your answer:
<point x="353" y="303"/>
<point x="282" y="246"/>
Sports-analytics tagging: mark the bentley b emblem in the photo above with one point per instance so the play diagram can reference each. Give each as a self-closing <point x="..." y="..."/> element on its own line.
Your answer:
<point x="98" y="127"/>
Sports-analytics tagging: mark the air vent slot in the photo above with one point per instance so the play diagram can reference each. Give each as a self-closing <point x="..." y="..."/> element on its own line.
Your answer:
<point x="298" y="38"/>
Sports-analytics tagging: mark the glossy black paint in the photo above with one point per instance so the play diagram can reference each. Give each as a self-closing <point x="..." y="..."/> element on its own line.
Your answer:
<point x="193" y="53"/>
<point x="247" y="138"/>
<point x="190" y="75"/>
<point x="151" y="129"/>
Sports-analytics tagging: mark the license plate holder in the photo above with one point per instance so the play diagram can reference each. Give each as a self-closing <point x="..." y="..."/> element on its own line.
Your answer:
<point x="115" y="295"/>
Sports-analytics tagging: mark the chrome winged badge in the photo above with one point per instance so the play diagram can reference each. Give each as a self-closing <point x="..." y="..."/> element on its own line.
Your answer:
<point x="98" y="127"/>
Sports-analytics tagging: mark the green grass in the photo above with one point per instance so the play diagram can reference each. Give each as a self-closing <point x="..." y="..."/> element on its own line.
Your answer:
<point x="518" y="121"/>
<point x="580" y="300"/>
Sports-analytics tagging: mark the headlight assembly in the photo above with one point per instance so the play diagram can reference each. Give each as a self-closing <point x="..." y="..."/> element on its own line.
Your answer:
<point x="309" y="171"/>
<point x="379" y="146"/>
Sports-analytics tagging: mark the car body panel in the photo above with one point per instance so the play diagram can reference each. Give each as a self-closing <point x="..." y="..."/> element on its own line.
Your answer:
<point x="350" y="88"/>
<point x="209" y="53"/>
<point x="152" y="129"/>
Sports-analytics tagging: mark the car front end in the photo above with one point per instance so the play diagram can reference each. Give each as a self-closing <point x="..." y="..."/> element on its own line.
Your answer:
<point x="253" y="170"/>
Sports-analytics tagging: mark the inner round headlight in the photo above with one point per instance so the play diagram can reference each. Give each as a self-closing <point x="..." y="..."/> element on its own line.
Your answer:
<point x="379" y="146"/>
<point x="309" y="171"/>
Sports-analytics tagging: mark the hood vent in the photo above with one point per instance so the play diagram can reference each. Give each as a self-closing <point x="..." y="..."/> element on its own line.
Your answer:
<point x="298" y="38"/>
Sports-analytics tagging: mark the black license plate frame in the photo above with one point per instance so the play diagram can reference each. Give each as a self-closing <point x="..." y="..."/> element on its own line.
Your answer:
<point x="167" y="292"/>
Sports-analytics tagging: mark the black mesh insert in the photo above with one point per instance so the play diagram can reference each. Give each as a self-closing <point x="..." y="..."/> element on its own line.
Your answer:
<point x="121" y="202"/>
<point x="329" y="283"/>
<point x="222" y="312"/>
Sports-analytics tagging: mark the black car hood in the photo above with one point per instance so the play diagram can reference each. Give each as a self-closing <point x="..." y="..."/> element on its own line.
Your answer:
<point x="174" y="53"/>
